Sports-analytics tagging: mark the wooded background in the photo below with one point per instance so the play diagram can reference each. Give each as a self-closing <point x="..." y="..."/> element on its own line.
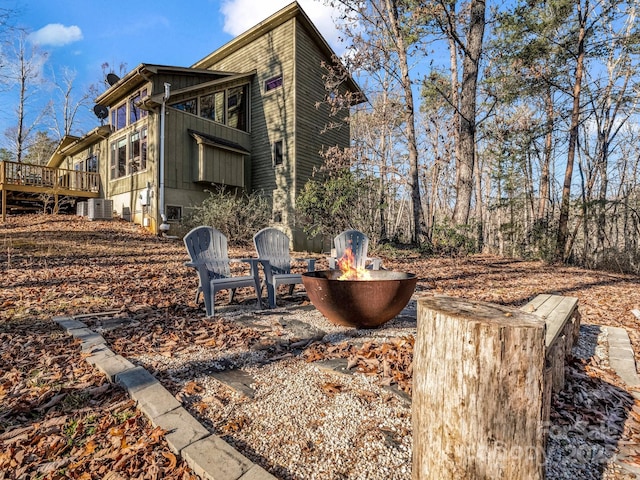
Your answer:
<point x="523" y="137"/>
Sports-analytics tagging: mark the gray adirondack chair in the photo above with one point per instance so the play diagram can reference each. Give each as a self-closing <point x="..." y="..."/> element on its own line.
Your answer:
<point x="208" y="251"/>
<point x="359" y="244"/>
<point x="272" y="246"/>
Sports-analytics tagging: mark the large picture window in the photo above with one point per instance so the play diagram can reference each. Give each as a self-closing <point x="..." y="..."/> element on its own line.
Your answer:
<point x="212" y="106"/>
<point x="128" y="112"/>
<point x="138" y="151"/>
<point x="135" y="112"/>
<point x="128" y="155"/>
<point x="236" y="108"/>
<point x="189" y="106"/>
<point x="229" y="107"/>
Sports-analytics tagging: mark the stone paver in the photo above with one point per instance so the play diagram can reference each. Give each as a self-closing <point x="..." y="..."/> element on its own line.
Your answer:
<point x="208" y="455"/>
<point x="182" y="429"/>
<point x="621" y="357"/>
<point x="214" y="459"/>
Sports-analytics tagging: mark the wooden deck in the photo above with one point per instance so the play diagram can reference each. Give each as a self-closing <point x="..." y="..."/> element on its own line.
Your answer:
<point x="23" y="179"/>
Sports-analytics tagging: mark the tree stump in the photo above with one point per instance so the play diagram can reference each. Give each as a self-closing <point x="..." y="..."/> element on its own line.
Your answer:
<point x="477" y="408"/>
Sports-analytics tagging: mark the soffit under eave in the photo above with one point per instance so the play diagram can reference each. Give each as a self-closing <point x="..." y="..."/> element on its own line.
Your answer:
<point x="154" y="101"/>
<point x="142" y="74"/>
<point x="70" y="145"/>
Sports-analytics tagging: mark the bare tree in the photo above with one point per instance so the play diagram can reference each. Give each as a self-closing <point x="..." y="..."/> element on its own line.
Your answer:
<point x="384" y="34"/>
<point x="24" y="73"/>
<point x="68" y="106"/>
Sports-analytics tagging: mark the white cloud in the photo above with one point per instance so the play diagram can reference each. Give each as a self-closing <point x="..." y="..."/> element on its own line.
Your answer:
<point x="241" y="15"/>
<point x="56" y="34"/>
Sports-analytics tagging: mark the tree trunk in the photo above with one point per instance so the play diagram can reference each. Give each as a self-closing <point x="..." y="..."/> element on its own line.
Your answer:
<point x="543" y="201"/>
<point x="470" y="69"/>
<point x="410" y="128"/>
<point x="478" y="384"/>
<point x="561" y="251"/>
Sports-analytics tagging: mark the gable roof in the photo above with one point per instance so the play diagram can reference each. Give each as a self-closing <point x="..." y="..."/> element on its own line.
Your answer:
<point x="293" y="10"/>
<point x="70" y="144"/>
<point x="141" y="73"/>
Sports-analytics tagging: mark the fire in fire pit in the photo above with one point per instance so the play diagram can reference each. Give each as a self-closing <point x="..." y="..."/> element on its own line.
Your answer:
<point x="357" y="297"/>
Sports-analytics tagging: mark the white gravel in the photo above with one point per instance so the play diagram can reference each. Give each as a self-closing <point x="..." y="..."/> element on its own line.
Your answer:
<point x="301" y="421"/>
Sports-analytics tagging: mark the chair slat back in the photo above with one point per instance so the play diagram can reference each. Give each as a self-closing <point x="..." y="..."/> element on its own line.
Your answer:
<point x="357" y="241"/>
<point x="273" y="245"/>
<point x="209" y="245"/>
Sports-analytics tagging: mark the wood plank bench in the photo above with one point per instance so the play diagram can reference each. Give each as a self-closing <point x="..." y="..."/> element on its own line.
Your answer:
<point x="562" y="318"/>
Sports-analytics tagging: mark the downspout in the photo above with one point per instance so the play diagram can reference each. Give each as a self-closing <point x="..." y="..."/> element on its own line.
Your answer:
<point x="164" y="227"/>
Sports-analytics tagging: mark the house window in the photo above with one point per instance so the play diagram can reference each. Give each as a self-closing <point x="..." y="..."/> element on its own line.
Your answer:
<point x="189" y="106"/>
<point x="119" y="116"/>
<point x="237" y="108"/>
<point x="272" y="83"/>
<point x="212" y="106"/>
<point x="118" y="161"/>
<point x="174" y="213"/>
<point x="138" y="151"/>
<point x="277" y="153"/>
<point x="143" y="149"/>
<point x="92" y="163"/>
<point x="135" y="112"/>
<point x="134" y="164"/>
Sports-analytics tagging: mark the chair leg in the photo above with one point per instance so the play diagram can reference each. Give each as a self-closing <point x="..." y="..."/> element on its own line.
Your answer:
<point x="198" y="292"/>
<point x="232" y="294"/>
<point x="291" y="287"/>
<point x="271" y="293"/>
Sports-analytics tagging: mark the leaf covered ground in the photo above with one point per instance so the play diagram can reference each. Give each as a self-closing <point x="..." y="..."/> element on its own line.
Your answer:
<point x="59" y="418"/>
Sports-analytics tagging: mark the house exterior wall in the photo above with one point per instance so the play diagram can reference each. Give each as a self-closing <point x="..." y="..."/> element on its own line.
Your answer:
<point x="311" y="122"/>
<point x="272" y="113"/>
<point x="182" y="157"/>
<point x="199" y="152"/>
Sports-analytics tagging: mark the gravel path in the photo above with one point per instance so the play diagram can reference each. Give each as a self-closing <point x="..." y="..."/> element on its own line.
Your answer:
<point x="319" y="420"/>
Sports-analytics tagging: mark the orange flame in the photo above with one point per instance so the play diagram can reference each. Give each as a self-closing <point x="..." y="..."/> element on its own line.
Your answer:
<point x="347" y="265"/>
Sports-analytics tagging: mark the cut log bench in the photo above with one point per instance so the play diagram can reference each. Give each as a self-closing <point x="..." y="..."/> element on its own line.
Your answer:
<point x="483" y="379"/>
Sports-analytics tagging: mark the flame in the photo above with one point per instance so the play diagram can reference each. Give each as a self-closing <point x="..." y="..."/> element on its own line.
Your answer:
<point x="347" y="265"/>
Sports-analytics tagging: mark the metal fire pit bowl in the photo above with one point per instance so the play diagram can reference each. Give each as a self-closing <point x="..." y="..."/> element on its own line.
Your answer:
<point x="359" y="303"/>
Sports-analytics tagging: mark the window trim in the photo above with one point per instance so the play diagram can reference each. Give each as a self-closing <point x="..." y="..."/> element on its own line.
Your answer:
<point x="179" y="210"/>
<point x="268" y="84"/>
<point x="277" y="153"/>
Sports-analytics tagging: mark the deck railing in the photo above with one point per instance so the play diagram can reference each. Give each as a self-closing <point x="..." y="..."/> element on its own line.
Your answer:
<point x="22" y="176"/>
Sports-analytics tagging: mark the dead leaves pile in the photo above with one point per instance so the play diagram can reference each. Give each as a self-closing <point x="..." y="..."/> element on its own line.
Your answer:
<point x="391" y="362"/>
<point x="59" y="419"/>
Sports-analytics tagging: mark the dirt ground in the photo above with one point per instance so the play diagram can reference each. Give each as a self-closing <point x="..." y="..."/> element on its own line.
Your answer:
<point x="66" y="265"/>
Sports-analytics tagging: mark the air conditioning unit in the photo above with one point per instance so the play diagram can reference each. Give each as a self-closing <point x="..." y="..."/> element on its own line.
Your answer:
<point x="99" y="209"/>
<point x="81" y="209"/>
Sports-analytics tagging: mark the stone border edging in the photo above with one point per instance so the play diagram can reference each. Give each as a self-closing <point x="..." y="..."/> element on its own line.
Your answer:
<point x="621" y="357"/>
<point x="208" y="455"/>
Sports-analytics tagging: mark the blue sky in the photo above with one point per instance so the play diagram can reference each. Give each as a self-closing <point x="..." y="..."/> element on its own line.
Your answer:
<point x="82" y="35"/>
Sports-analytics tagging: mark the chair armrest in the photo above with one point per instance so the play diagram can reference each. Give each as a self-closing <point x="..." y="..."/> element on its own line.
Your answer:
<point x="311" y="263"/>
<point x="376" y="263"/>
<point x="253" y="262"/>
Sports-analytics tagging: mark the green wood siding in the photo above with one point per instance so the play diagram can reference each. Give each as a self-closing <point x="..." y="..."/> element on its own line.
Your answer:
<point x="183" y="159"/>
<point x="272" y="113"/>
<point x="310" y="121"/>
